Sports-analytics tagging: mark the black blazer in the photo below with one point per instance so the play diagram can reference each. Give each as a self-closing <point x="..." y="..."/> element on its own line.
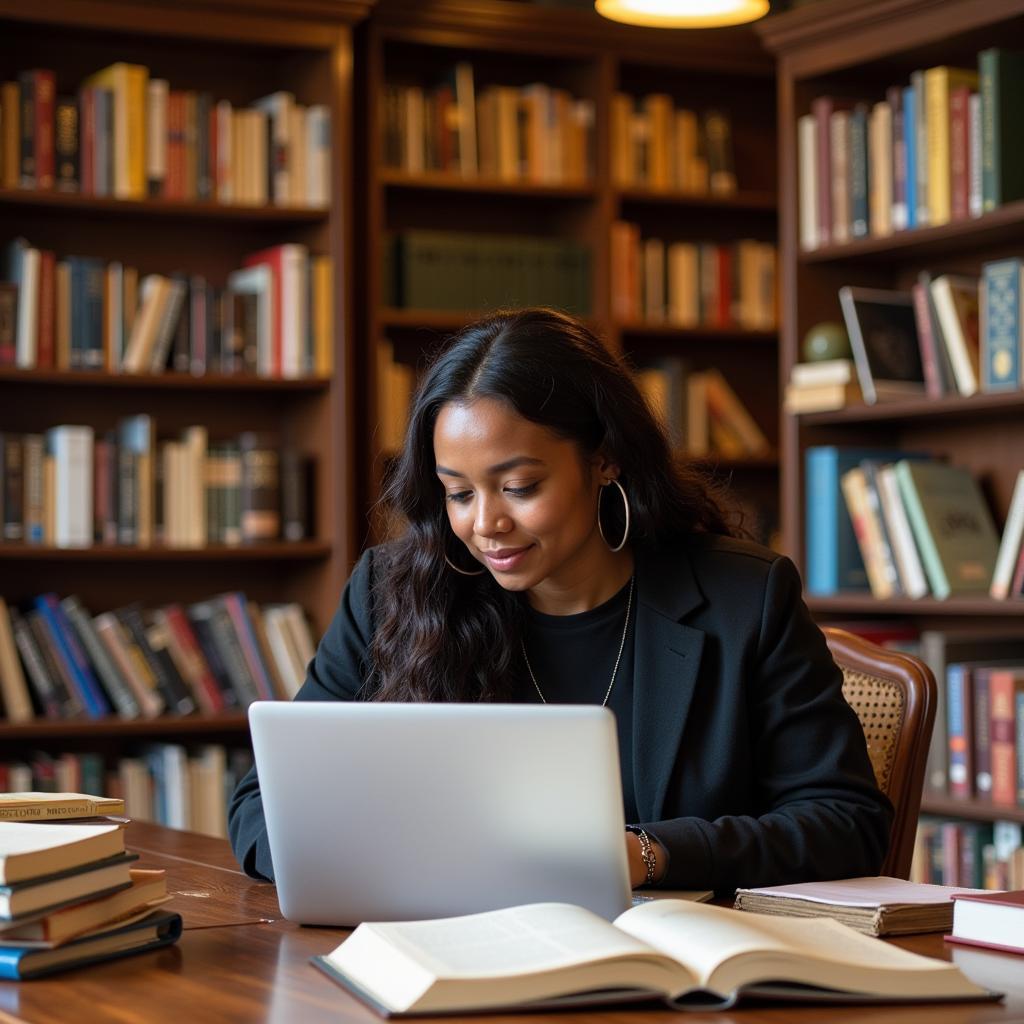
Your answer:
<point x="749" y="766"/>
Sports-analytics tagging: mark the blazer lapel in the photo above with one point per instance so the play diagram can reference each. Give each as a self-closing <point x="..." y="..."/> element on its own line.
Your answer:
<point x="666" y="663"/>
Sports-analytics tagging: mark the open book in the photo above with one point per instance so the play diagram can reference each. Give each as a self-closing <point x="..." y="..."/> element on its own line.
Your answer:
<point x="680" y="952"/>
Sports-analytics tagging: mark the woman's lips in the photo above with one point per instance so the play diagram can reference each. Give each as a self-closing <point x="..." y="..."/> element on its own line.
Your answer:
<point x="505" y="559"/>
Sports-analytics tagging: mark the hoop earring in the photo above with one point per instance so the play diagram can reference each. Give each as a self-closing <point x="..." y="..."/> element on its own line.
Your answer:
<point x="600" y="528"/>
<point x="462" y="572"/>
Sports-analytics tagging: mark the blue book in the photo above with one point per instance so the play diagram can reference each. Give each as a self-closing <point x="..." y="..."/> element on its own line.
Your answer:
<point x="72" y="656"/>
<point x="834" y="561"/>
<point x="910" y="146"/>
<point x="1000" y="343"/>
<point x="161" y="928"/>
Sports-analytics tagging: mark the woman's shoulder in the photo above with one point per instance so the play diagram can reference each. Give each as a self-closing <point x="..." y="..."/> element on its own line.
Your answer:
<point x="714" y="549"/>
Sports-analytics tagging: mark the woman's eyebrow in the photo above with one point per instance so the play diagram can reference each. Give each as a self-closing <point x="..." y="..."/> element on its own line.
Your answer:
<point x="501" y="467"/>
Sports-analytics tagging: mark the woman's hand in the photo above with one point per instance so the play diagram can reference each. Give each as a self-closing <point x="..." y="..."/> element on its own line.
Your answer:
<point x="637" y="867"/>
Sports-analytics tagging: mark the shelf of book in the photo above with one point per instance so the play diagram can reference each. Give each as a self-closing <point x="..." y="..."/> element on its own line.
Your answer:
<point x="309" y="550"/>
<point x="873" y="79"/>
<point x="177" y="726"/>
<point x="1005" y="403"/>
<point x="866" y="604"/>
<point x="141" y="209"/>
<point x="1003" y="225"/>
<point x="743" y="200"/>
<point x="93" y="379"/>
<point x="447" y="182"/>
<point x="640" y="329"/>
<point x="973" y="810"/>
<point x="441" y="154"/>
<point x="197" y="222"/>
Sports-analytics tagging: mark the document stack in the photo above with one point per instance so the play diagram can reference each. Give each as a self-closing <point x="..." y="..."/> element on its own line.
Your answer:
<point x="68" y="893"/>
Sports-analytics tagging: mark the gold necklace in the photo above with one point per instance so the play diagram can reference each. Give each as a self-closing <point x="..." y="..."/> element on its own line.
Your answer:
<point x="618" y="657"/>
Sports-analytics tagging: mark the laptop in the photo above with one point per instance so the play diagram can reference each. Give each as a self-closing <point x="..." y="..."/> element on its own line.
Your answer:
<point x="396" y="812"/>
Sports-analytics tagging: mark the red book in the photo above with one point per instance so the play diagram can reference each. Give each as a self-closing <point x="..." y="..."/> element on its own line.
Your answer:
<point x="1003" y="685"/>
<point x="174" y="183"/>
<point x="274" y="258"/>
<point x="45" y="88"/>
<point x="994" y="920"/>
<point x="926" y="341"/>
<point x="205" y="687"/>
<point x="47" y="309"/>
<point x="959" y="152"/>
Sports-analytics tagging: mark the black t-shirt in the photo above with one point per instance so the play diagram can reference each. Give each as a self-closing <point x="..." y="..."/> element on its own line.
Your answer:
<point x="572" y="657"/>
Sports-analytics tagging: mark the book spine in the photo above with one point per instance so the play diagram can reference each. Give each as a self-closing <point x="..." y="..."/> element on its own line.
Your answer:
<point x="910" y="152"/>
<point x="1002" y="687"/>
<point x="937" y="578"/>
<point x="236" y="608"/>
<point x="1018" y="704"/>
<point x="860" y="222"/>
<point x="982" y="734"/>
<point x="1000" y="340"/>
<point x="959" y="152"/>
<point x="959" y="727"/>
<point x="66" y="147"/>
<point x="987" y="72"/>
<point x="12" y="487"/>
<point x="73" y="656"/>
<point x="45" y="643"/>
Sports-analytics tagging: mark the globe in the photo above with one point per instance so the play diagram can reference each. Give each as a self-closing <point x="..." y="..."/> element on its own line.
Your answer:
<point x="826" y="340"/>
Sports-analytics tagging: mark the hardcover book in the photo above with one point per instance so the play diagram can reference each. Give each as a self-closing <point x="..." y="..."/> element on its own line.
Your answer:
<point x="676" y="952"/>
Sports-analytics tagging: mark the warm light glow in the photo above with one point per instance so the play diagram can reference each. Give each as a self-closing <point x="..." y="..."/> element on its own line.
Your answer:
<point x="682" y="13"/>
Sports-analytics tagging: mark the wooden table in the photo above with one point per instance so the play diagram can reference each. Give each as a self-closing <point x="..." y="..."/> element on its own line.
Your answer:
<point x="238" y="960"/>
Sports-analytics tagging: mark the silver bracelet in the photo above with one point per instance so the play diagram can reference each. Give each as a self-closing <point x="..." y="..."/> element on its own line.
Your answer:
<point x="646" y="852"/>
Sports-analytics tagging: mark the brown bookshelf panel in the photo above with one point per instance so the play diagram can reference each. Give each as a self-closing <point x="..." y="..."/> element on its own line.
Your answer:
<point x="79" y="732"/>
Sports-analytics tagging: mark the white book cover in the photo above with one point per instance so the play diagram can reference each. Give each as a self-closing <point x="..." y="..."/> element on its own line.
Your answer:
<point x="27" y="336"/>
<point x="901" y="536"/>
<point x="954" y="295"/>
<point x="974" y="200"/>
<point x="71" y="448"/>
<point x="1009" y="546"/>
<point x="295" y="300"/>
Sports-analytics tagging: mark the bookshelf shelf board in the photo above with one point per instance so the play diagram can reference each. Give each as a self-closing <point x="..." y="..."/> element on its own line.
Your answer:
<point x="750" y="200"/>
<point x="305" y="550"/>
<point x="181" y="381"/>
<point x="641" y="329"/>
<point x="768" y="461"/>
<point x="865" y="604"/>
<point x="970" y="809"/>
<point x="165" y="725"/>
<point x="73" y="201"/>
<point x="1001" y="225"/>
<point x="921" y="408"/>
<point x="440" y="181"/>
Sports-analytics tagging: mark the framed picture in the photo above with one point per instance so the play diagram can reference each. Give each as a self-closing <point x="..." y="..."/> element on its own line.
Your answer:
<point x="883" y="337"/>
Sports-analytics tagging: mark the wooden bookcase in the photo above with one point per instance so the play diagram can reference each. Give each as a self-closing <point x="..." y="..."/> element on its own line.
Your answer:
<point x="857" y="50"/>
<point x="238" y="51"/>
<point x="411" y="43"/>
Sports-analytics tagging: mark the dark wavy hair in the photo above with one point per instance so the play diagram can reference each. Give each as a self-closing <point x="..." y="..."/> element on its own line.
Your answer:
<point x="441" y="636"/>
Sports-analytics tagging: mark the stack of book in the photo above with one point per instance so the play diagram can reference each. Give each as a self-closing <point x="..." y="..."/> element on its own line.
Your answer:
<point x="131" y="136"/>
<point x="68" y="895"/>
<point x="822" y="386"/>
<point x="58" y="661"/>
<point x="270" y="318"/>
<point x="943" y="147"/>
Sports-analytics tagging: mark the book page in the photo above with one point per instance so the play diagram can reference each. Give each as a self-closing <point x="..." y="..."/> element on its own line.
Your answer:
<point x="517" y="940"/>
<point x="704" y="937"/>
<point x="863" y="892"/>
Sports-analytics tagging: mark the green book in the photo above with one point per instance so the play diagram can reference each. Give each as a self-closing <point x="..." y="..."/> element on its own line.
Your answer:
<point x="952" y="526"/>
<point x="1001" y="81"/>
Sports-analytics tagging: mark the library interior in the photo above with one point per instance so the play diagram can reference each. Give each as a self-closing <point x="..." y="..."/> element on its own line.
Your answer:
<point x="245" y="246"/>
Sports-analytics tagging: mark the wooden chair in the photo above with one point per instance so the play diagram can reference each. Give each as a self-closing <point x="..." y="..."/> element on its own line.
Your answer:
<point x="895" y="696"/>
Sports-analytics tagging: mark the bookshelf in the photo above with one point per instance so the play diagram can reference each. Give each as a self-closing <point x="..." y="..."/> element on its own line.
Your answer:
<point x="406" y="44"/>
<point x="236" y="52"/>
<point x="855" y="52"/>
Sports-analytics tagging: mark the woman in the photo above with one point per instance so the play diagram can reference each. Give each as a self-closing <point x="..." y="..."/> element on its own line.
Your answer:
<point x="554" y="552"/>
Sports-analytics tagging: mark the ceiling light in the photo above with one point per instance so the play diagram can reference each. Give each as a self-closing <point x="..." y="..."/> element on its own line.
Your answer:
<point x="682" y="13"/>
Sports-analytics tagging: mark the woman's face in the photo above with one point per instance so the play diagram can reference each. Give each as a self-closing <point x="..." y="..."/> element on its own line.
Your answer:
<point x="518" y="496"/>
